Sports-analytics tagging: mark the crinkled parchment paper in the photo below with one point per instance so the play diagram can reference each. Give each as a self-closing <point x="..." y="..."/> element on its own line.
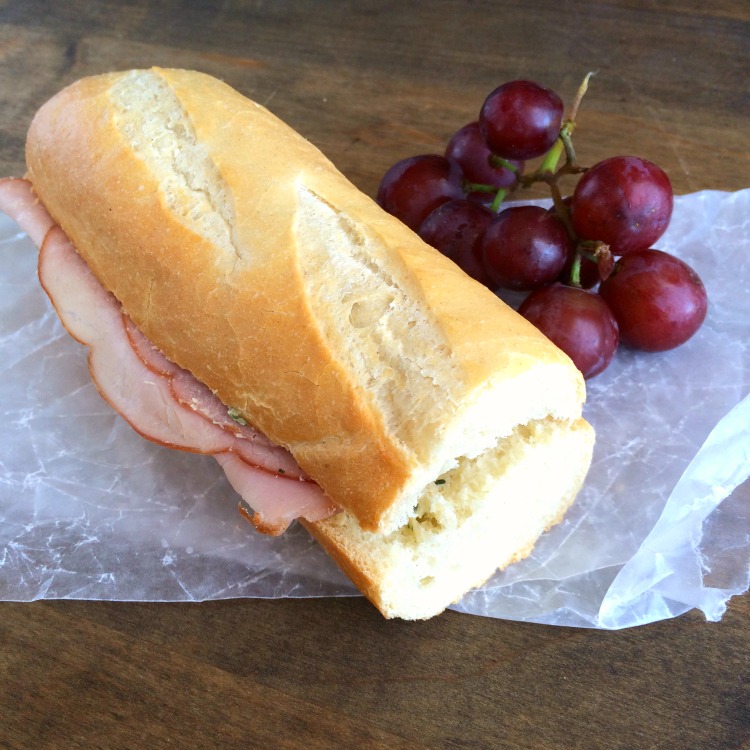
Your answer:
<point x="89" y="510"/>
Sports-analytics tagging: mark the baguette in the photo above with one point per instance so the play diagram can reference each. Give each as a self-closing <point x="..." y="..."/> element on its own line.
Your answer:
<point x="446" y="427"/>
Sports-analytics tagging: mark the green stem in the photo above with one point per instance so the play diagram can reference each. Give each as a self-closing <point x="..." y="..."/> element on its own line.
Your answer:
<point x="499" y="198"/>
<point x="565" y="133"/>
<point x="498" y="161"/>
<point x="575" y="271"/>
<point x="549" y="165"/>
<point x="477" y="187"/>
<point x="563" y="145"/>
<point x="561" y="210"/>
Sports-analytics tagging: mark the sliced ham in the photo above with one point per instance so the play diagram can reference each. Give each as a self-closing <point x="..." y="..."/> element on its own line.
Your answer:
<point x="275" y="507"/>
<point x="147" y="352"/>
<point x="253" y="446"/>
<point x="92" y="316"/>
<point x="17" y="200"/>
<point x="161" y="401"/>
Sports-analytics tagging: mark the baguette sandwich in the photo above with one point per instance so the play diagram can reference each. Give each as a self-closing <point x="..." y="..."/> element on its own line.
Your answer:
<point x="440" y="433"/>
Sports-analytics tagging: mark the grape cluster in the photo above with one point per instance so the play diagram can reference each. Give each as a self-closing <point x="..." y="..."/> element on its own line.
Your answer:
<point x="594" y="280"/>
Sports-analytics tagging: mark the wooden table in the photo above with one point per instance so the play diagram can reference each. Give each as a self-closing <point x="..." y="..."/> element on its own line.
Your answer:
<point x="370" y="82"/>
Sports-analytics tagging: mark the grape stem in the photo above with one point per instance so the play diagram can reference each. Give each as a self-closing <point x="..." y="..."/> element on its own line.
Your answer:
<point x="477" y="187"/>
<point x="565" y="133"/>
<point x="595" y="251"/>
<point x="575" y="270"/>
<point x="499" y="198"/>
<point x="480" y="187"/>
<point x="582" y="89"/>
<point x="563" y="144"/>
<point x="562" y="212"/>
<point x="498" y="161"/>
<point x="548" y="171"/>
<point x="549" y="165"/>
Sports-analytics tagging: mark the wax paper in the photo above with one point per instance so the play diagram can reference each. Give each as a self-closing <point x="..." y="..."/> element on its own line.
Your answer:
<point x="90" y="510"/>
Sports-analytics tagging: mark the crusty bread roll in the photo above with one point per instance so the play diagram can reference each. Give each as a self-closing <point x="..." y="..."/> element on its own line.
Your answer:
<point x="446" y="426"/>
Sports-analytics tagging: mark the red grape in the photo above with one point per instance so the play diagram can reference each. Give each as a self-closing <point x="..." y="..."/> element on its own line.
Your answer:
<point x="624" y="201"/>
<point x="468" y="260"/>
<point x="413" y="187"/>
<point x="521" y="120"/>
<point x="658" y="300"/>
<point x="454" y="228"/>
<point x="579" y="322"/>
<point x="468" y="148"/>
<point x="525" y="247"/>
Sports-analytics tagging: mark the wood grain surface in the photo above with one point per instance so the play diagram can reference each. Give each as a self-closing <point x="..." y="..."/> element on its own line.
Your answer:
<point x="370" y="82"/>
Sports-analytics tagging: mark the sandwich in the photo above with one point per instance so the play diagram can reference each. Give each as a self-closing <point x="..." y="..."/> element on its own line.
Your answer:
<point x="240" y="297"/>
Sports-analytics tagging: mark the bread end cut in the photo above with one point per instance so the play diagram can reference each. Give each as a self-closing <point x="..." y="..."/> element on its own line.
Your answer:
<point x="481" y="516"/>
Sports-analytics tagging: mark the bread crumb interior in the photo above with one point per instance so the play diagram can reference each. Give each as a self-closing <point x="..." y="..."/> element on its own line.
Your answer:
<point x="160" y="133"/>
<point x="483" y="514"/>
